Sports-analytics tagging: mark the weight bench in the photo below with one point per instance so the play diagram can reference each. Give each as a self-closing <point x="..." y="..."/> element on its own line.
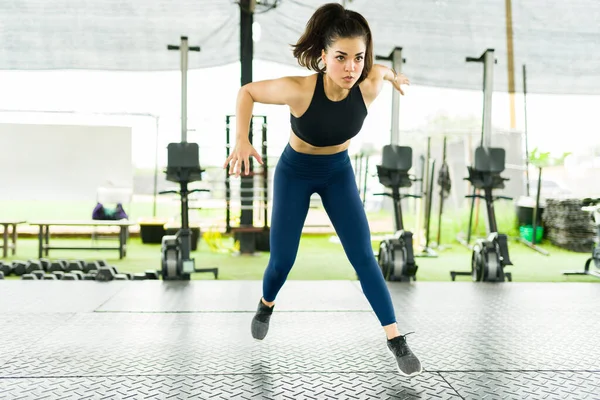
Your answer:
<point x="44" y="235"/>
<point x="6" y="239"/>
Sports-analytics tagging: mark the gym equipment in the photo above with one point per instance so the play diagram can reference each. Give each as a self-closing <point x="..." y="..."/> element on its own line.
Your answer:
<point x="361" y="170"/>
<point x="527" y="136"/>
<point x="45" y="269"/>
<point x="427" y="173"/>
<point x="445" y="185"/>
<point x="490" y="255"/>
<point x="251" y="238"/>
<point x="183" y="167"/>
<point x="593" y="206"/>
<point x="18" y="267"/>
<point x="532" y="244"/>
<point x="396" y="256"/>
<point x="6" y="269"/>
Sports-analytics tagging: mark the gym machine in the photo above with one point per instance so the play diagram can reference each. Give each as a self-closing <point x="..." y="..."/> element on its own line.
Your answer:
<point x="490" y="254"/>
<point x="396" y="255"/>
<point x="593" y="206"/>
<point x="183" y="167"/>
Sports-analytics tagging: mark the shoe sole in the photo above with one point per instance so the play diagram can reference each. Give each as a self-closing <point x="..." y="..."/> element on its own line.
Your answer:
<point x="400" y="371"/>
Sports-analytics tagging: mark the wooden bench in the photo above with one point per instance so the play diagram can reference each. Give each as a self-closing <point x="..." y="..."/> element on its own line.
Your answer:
<point x="44" y="235"/>
<point x="5" y="238"/>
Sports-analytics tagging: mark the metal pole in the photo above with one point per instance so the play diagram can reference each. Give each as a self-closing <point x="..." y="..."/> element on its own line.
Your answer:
<point x="155" y="192"/>
<point x="488" y="87"/>
<point x="488" y="61"/>
<point x="184" y="68"/>
<point x="183" y="50"/>
<point x="396" y="58"/>
<point x="526" y="135"/>
<point x="247" y="239"/>
<point x="397" y="65"/>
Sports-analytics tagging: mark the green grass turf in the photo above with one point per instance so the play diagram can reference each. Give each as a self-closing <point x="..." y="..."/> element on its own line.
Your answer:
<point x="319" y="258"/>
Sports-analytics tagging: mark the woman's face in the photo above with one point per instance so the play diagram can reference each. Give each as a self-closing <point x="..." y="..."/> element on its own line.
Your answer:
<point x="344" y="61"/>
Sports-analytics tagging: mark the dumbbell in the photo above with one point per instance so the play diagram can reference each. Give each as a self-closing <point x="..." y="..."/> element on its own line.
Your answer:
<point x="33" y="265"/>
<point x="90" y="276"/>
<point x="6" y="269"/>
<point x="18" y="267"/>
<point x="58" y="274"/>
<point x="91" y="266"/>
<point x="38" y="274"/>
<point x="75" y="265"/>
<point x="110" y="273"/>
<point x="57" y="266"/>
<point x="45" y="263"/>
<point x="73" y="276"/>
<point x="106" y="273"/>
<point x="151" y="274"/>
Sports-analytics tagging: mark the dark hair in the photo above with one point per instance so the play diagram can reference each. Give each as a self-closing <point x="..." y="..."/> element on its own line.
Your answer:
<point x="329" y="23"/>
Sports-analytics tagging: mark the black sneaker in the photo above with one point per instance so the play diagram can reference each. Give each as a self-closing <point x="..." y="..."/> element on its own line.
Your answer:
<point x="408" y="364"/>
<point x="260" y="322"/>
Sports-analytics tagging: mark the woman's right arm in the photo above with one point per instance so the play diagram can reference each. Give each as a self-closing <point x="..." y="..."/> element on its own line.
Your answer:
<point x="282" y="91"/>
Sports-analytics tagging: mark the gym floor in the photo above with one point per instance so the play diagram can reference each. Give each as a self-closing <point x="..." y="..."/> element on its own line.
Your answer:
<point x="191" y="340"/>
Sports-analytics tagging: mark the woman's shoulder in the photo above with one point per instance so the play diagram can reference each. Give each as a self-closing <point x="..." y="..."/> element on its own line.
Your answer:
<point x="306" y="81"/>
<point x="371" y="86"/>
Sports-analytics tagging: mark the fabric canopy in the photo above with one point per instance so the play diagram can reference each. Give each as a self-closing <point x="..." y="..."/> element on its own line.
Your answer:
<point x="557" y="41"/>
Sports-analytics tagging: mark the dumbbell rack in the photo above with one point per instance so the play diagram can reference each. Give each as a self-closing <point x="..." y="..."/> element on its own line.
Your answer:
<point x="45" y="269"/>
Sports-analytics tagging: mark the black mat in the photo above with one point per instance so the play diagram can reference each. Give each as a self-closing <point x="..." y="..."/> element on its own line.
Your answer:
<point x="158" y="340"/>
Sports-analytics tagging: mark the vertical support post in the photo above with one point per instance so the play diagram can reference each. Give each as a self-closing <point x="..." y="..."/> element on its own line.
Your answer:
<point x="183" y="50"/>
<point x="155" y="187"/>
<point x="488" y="88"/>
<point x="488" y="60"/>
<point x="265" y="173"/>
<point x="396" y="58"/>
<point x="510" y="62"/>
<point x="526" y="135"/>
<point x="247" y="239"/>
<point x="184" y="68"/>
<point x="227" y="177"/>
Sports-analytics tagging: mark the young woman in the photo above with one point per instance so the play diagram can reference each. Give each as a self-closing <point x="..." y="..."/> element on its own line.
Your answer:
<point x="327" y="110"/>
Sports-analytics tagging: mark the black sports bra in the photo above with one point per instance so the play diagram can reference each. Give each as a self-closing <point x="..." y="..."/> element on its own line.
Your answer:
<point x="330" y="123"/>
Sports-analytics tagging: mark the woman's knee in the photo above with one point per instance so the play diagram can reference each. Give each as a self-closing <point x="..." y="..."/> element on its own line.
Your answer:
<point x="364" y="259"/>
<point x="280" y="266"/>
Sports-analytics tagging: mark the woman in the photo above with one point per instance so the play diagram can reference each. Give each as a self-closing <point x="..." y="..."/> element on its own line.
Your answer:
<point x="327" y="109"/>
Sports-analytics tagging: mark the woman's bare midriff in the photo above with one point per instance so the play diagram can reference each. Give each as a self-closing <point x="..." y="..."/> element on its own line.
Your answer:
<point x="301" y="146"/>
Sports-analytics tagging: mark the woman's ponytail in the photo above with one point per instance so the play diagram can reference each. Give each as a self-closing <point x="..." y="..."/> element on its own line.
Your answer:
<point x="329" y="23"/>
<point x="308" y="49"/>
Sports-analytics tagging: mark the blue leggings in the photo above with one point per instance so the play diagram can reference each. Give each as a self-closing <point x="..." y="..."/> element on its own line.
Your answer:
<point x="297" y="177"/>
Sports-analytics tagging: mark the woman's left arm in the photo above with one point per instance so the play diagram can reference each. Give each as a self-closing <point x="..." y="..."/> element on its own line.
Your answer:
<point x="376" y="78"/>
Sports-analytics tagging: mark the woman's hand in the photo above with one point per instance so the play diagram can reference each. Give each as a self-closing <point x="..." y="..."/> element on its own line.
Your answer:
<point x="399" y="80"/>
<point x="240" y="158"/>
